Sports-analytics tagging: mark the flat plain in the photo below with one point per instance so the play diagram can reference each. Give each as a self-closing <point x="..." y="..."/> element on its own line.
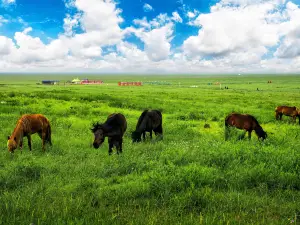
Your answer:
<point x="192" y="176"/>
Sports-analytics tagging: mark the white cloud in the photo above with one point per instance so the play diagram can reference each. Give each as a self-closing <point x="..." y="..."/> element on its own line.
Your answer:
<point x="3" y="20"/>
<point x="142" y="22"/>
<point x="32" y="49"/>
<point x="191" y="15"/>
<point x="8" y="2"/>
<point x="156" y="36"/>
<point x="233" y="29"/>
<point x="70" y="23"/>
<point x="147" y="7"/>
<point x="6" y="45"/>
<point x="157" y="42"/>
<point x="176" y="17"/>
<point x="290" y="46"/>
<point x="233" y="37"/>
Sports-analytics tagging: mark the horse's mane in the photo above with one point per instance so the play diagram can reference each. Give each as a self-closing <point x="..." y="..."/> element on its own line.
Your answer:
<point x="141" y="118"/>
<point x="22" y="123"/>
<point x="110" y="122"/>
<point x="158" y="112"/>
<point x="96" y="126"/>
<point x="254" y="119"/>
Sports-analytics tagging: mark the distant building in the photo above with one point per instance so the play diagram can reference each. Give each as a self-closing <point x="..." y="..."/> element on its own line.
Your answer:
<point x="50" y="82"/>
<point x="86" y="81"/>
<point x="76" y="81"/>
<point x="130" y="83"/>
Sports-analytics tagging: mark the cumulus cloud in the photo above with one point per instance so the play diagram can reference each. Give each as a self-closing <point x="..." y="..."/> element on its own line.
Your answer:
<point x="8" y="2"/>
<point x="176" y="17"/>
<point x="3" y="20"/>
<point x="157" y="42"/>
<point x="190" y="15"/>
<point x="156" y="36"/>
<point x="235" y="36"/>
<point x="6" y="46"/>
<point x="70" y="22"/>
<point x="222" y="34"/>
<point x="290" y="46"/>
<point x="147" y="7"/>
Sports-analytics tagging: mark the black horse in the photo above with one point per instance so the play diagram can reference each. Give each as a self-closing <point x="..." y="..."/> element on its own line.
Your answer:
<point x="113" y="128"/>
<point x="150" y="120"/>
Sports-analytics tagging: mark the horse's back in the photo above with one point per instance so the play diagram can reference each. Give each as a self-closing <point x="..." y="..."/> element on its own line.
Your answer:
<point x="156" y="118"/>
<point x="116" y="121"/>
<point x="141" y="118"/>
<point x="242" y="121"/>
<point x="150" y="119"/>
<point x="34" y="122"/>
<point x="287" y="110"/>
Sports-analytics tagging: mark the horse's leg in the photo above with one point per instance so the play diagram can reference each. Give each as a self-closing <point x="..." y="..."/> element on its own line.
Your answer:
<point x="226" y="133"/>
<point x="119" y="146"/>
<point x="150" y="134"/>
<point x="110" y="146"/>
<point x="29" y="141"/>
<point x="43" y="139"/>
<point x="48" y="137"/>
<point x="242" y="136"/>
<point x="21" y="145"/>
<point x="144" y="135"/>
<point x="249" y="134"/>
<point x="280" y="115"/>
<point x="159" y="131"/>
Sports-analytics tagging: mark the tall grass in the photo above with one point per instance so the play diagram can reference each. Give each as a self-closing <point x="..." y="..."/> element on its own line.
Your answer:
<point x="193" y="176"/>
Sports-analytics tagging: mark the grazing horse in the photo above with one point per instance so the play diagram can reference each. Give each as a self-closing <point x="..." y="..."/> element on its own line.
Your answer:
<point x="287" y="111"/>
<point x="113" y="128"/>
<point x="244" y="122"/>
<point x="148" y="121"/>
<point x="29" y="124"/>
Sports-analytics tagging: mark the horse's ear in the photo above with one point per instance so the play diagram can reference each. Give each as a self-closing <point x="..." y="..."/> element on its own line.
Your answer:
<point x="8" y="137"/>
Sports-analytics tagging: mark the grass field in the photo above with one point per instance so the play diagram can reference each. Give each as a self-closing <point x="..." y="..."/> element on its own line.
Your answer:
<point x="191" y="177"/>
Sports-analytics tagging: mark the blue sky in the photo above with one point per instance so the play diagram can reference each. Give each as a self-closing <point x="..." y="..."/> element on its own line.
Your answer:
<point x="152" y="35"/>
<point x="46" y="17"/>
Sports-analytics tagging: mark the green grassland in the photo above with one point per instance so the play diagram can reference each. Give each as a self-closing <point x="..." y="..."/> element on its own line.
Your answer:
<point x="193" y="176"/>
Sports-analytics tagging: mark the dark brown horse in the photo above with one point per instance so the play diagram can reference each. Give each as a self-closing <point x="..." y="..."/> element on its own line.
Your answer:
<point x="29" y="124"/>
<point x="287" y="111"/>
<point x="150" y="120"/>
<point x="113" y="128"/>
<point x="244" y="122"/>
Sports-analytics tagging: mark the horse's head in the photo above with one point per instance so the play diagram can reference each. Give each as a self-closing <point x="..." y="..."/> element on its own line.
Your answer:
<point x="265" y="135"/>
<point x="136" y="136"/>
<point x="12" y="144"/>
<point x="98" y="135"/>
<point x="262" y="134"/>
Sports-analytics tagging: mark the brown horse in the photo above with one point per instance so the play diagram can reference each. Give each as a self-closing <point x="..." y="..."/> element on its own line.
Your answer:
<point x="113" y="128"/>
<point x="29" y="124"/>
<point x="244" y="122"/>
<point x="148" y="121"/>
<point x="287" y="111"/>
